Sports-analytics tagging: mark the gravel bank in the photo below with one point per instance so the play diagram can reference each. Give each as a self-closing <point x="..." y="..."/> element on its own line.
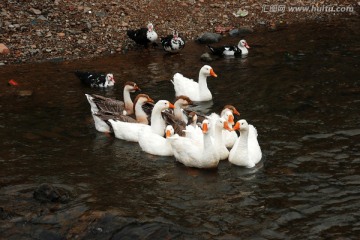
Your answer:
<point x="62" y="29"/>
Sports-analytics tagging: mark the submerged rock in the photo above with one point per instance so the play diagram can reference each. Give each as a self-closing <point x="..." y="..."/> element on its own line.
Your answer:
<point x="209" y="38"/>
<point x="49" y="193"/>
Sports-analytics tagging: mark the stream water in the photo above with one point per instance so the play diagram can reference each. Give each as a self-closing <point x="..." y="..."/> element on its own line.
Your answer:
<point x="299" y="86"/>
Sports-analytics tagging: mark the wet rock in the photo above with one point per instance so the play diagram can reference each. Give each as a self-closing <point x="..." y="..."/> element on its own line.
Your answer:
<point x="241" y="31"/>
<point x="46" y="193"/>
<point x="4" y="49"/>
<point x="209" y="37"/>
<point x="206" y="57"/>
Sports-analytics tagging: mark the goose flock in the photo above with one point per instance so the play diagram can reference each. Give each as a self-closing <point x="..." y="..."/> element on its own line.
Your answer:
<point x="166" y="129"/>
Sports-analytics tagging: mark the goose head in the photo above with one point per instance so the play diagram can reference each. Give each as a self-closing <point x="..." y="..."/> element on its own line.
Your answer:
<point x="206" y="70"/>
<point x="182" y="102"/>
<point x="223" y="124"/>
<point x="231" y="108"/>
<point x="169" y="131"/>
<point x="192" y="116"/>
<point x="162" y="105"/>
<point x="241" y="125"/>
<point x="131" y="87"/>
<point x="141" y="99"/>
<point x="205" y="125"/>
<point x="110" y="81"/>
<point x="228" y="116"/>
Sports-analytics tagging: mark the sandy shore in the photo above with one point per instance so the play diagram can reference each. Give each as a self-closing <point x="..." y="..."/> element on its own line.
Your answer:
<point x="33" y="31"/>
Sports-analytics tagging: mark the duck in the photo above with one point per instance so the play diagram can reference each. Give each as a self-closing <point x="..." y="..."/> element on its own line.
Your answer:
<point x="246" y="151"/>
<point x="95" y="79"/>
<point x="177" y="118"/>
<point x="196" y="91"/>
<point x="172" y="43"/>
<point x="240" y="50"/>
<point x="155" y="144"/>
<point x="113" y="106"/>
<point x="129" y="131"/>
<point x="144" y="36"/>
<point x="102" y="118"/>
<point x="188" y="152"/>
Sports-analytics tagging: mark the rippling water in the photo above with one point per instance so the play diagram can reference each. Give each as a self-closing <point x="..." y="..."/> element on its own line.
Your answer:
<point x="300" y="87"/>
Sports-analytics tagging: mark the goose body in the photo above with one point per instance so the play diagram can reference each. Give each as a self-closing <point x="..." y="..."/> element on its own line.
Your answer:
<point x="172" y="43"/>
<point x="113" y="106"/>
<point x="155" y="144"/>
<point x="103" y="108"/>
<point x="191" y="154"/>
<point x="239" y="50"/>
<point x="196" y="91"/>
<point x="127" y="128"/>
<point x="246" y="151"/>
<point x="94" y="79"/>
<point x="143" y="36"/>
<point x="217" y="134"/>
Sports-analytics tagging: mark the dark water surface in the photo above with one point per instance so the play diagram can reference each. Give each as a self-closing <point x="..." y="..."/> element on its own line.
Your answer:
<point x="299" y="86"/>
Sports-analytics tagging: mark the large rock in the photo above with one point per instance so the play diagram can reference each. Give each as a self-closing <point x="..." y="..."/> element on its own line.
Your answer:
<point x="209" y="37"/>
<point x="4" y="49"/>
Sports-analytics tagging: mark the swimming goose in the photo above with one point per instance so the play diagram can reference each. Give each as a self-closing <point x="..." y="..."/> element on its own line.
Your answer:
<point x="216" y="133"/>
<point x="129" y="131"/>
<point x="125" y="127"/>
<point x="113" y="106"/>
<point x="177" y="118"/>
<point x="246" y="151"/>
<point x="155" y="144"/>
<point x="172" y="43"/>
<point x="94" y="79"/>
<point x="144" y="36"/>
<point x="196" y="91"/>
<point x="229" y="137"/>
<point x="188" y="152"/>
<point x="240" y="50"/>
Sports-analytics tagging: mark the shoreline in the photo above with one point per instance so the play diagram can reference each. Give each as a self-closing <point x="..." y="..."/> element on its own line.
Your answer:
<point x="59" y="30"/>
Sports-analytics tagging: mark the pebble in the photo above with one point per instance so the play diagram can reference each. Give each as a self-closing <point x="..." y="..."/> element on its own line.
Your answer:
<point x="4" y="49"/>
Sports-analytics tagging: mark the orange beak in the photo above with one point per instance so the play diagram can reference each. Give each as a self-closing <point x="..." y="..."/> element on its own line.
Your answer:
<point x="236" y="112"/>
<point x="136" y="88"/>
<point x="150" y="100"/>
<point x="205" y="128"/>
<point x="231" y="119"/>
<point x="171" y="105"/>
<point x="168" y="133"/>
<point x="236" y="127"/>
<point x="226" y="126"/>
<point x="212" y="73"/>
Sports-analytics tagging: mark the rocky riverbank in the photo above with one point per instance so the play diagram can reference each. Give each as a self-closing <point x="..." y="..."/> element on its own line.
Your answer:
<point x="32" y="31"/>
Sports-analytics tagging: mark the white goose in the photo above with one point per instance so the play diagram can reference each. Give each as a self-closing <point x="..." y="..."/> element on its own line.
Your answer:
<point x="216" y="133"/>
<point x="246" y="151"/>
<point x="127" y="128"/>
<point x="154" y="144"/>
<point x="188" y="152"/>
<point x="196" y="91"/>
